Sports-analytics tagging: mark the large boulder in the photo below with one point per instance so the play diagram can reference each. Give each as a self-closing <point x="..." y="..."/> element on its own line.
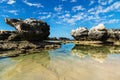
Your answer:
<point x="98" y="33"/>
<point x="80" y="33"/>
<point x="30" y="29"/>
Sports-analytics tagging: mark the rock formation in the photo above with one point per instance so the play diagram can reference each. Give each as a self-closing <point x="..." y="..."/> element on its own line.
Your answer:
<point x="114" y="34"/>
<point x="80" y="33"/>
<point x="98" y="33"/>
<point x="29" y="29"/>
<point x="29" y="36"/>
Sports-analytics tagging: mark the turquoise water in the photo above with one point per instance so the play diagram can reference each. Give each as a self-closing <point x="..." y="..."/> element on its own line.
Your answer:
<point x="70" y="62"/>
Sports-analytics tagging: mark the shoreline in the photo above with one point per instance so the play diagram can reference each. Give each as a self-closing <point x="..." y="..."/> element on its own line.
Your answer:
<point x="16" y="48"/>
<point x="108" y="42"/>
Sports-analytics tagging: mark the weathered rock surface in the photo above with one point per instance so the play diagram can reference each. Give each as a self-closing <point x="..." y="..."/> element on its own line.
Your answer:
<point x="4" y="35"/>
<point x="29" y="29"/>
<point x="114" y="34"/>
<point x="30" y="35"/>
<point x="80" y="33"/>
<point x="98" y="33"/>
<point x="22" y="47"/>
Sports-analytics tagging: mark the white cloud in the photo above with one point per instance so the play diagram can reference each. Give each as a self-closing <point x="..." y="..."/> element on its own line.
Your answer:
<point x="44" y="13"/>
<point x="67" y="15"/>
<point x="15" y="12"/>
<point x="110" y="1"/>
<point x="45" y="17"/>
<point x="58" y="8"/>
<point x="73" y="1"/>
<point x="73" y="19"/>
<point x="102" y="2"/>
<point x="112" y="21"/>
<point x="33" y="4"/>
<point x="105" y="2"/>
<point x="91" y="2"/>
<point x="100" y="9"/>
<point x="11" y="1"/>
<point x="77" y="8"/>
<point x="114" y="6"/>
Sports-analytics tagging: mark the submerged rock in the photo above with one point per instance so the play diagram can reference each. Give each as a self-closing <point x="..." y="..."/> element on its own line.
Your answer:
<point x="98" y="33"/>
<point x="80" y="33"/>
<point x="30" y="29"/>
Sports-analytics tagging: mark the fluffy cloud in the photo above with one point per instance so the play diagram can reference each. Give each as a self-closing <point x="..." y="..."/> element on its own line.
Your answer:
<point x="114" y="6"/>
<point x="58" y="8"/>
<point x="77" y="8"/>
<point x="105" y="2"/>
<point x="100" y="9"/>
<point x="91" y="2"/>
<point x="33" y="4"/>
<point x="11" y="1"/>
<point x="71" y="19"/>
<point x="45" y="17"/>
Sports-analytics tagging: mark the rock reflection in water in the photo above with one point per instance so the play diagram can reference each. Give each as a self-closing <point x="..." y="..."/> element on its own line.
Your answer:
<point x="60" y="64"/>
<point x="98" y="53"/>
<point x="30" y="67"/>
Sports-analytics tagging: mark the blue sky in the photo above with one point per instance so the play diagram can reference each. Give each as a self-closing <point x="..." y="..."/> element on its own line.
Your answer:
<point x="63" y="15"/>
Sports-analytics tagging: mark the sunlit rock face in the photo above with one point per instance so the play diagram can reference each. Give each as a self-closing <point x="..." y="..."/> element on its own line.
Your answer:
<point x="98" y="32"/>
<point x="80" y="33"/>
<point x="30" y="29"/>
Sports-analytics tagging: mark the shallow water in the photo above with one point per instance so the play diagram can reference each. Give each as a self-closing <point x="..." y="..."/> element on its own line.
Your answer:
<point x="70" y="62"/>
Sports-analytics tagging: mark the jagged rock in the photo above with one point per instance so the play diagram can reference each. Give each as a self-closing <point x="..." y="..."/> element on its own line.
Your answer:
<point x="98" y="33"/>
<point x="114" y="34"/>
<point x="80" y="33"/>
<point x="19" y="45"/>
<point x="30" y="29"/>
<point x="4" y="35"/>
<point x="14" y="37"/>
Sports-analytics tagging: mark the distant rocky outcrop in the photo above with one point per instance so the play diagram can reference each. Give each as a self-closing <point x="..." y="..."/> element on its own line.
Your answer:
<point x="98" y="33"/>
<point x="80" y="33"/>
<point x="29" y="29"/>
<point x="63" y="38"/>
<point x="114" y="34"/>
